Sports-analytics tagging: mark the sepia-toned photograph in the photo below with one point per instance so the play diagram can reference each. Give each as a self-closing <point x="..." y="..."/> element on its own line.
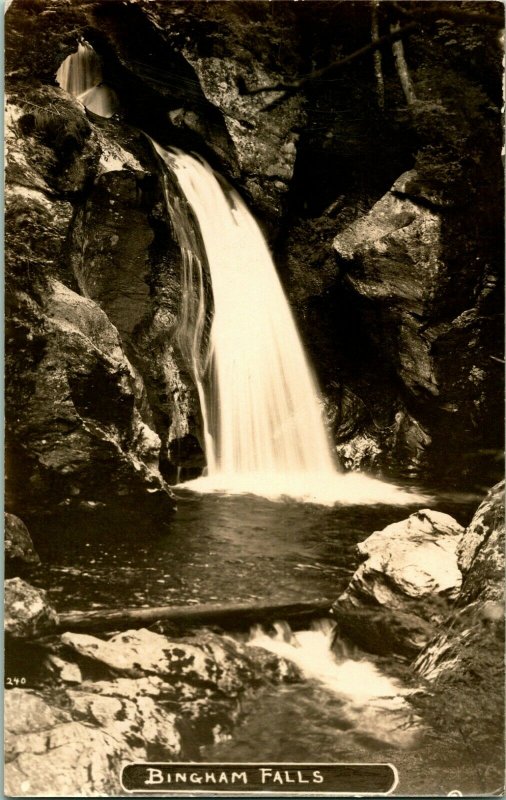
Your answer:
<point x="254" y="398"/>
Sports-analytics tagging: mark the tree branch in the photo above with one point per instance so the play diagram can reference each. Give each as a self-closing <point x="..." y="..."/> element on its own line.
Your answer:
<point x="427" y="14"/>
<point x="330" y="69"/>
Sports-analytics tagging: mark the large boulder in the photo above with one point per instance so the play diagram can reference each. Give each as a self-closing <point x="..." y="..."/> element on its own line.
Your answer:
<point x="410" y="559"/>
<point x="137" y="696"/>
<point x="46" y="749"/>
<point x="27" y="613"/>
<point x="410" y="571"/>
<point x="19" y="550"/>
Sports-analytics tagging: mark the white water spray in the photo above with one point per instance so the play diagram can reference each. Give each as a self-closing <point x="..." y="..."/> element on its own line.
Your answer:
<point x="373" y="704"/>
<point x="263" y="426"/>
<point x="81" y="76"/>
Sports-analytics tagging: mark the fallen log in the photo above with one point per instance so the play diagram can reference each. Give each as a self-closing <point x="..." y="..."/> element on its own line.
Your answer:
<point x="232" y="616"/>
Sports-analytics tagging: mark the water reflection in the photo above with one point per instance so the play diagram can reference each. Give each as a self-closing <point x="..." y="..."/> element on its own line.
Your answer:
<point x="212" y="549"/>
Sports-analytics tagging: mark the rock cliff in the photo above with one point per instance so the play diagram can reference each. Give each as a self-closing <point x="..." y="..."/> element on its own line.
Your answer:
<point x="396" y="281"/>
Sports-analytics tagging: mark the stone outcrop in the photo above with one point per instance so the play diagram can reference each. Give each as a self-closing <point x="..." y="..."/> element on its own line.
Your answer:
<point x="137" y="696"/>
<point x="409" y="571"/>
<point x="80" y="428"/>
<point x="27" y="613"/>
<point x="395" y="258"/>
<point x="411" y="281"/>
<point x="481" y="552"/>
<point x="19" y="550"/>
<point x="476" y="623"/>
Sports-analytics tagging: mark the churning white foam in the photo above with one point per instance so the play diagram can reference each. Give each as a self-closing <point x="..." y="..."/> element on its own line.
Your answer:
<point x="373" y="704"/>
<point x="324" y="488"/>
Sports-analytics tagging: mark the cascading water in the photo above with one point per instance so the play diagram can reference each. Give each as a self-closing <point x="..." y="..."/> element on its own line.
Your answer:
<point x="372" y="704"/>
<point x="81" y="76"/>
<point x="263" y="427"/>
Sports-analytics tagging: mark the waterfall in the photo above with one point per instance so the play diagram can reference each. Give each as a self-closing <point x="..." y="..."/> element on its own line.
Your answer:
<point x="262" y="420"/>
<point x="373" y="704"/>
<point x="81" y="76"/>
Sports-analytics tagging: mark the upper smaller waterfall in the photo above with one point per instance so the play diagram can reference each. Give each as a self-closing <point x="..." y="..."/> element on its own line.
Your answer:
<point x="262" y="414"/>
<point x="81" y="76"/>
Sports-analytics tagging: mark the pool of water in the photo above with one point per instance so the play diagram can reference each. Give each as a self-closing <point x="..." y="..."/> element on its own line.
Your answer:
<point x="217" y="548"/>
<point x="214" y="548"/>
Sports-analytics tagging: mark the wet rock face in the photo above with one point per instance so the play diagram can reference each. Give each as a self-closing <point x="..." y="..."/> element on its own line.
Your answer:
<point x="76" y="410"/>
<point x="396" y="595"/>
<point x="80" y="422"/>
<point x="477" y="621"/>
<point x="27" y="612"/>
<point x="19" y="550"/>
<point x="150" y="698"/>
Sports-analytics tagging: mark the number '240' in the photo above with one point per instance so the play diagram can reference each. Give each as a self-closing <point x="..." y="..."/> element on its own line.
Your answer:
<point x="15" y="681"/>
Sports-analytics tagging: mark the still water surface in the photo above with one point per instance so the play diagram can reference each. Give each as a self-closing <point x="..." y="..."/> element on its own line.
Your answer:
<point x="223" y="549"/>
<point x="212" y="549"/>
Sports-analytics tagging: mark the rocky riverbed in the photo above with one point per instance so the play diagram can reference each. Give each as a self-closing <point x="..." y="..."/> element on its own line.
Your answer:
<point x="384" y="211"/>
<point x="93" y="703"/>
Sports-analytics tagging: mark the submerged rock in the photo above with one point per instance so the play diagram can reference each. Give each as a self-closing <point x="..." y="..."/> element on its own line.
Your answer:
<point x="383" y="631"/>
<point x="19" y="549"/>
<point x="27" y="613"/>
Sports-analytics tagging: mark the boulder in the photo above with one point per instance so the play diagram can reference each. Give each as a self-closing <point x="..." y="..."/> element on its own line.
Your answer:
<point x="46" y="749"/>
<point x="411" y="559"/>
<point x="27" y="613"/>
<point x="397" y="594"/>
<point x="19" y="550"/>
<point x="203" y="665"/>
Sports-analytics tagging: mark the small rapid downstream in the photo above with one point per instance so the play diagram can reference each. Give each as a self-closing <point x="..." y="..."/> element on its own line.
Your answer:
<point x="349" y="706"/>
